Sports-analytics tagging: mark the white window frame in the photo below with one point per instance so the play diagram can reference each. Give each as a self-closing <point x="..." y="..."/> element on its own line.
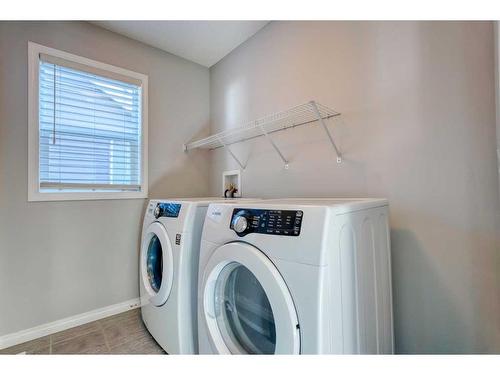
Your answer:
<point x="34" y="193"/>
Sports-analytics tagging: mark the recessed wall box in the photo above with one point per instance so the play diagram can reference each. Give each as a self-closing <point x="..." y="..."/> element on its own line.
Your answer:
<point x="232" y="178"/>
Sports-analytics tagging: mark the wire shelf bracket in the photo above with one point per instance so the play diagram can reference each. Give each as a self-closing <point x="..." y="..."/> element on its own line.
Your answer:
<point x="330" y="137"/>
<point x="303" y="114"/>
<point x="270" y="139"/>
<point x="242" y="166"/>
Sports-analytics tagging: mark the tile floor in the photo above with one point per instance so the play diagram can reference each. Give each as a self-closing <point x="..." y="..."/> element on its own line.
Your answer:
<point x="118" y="334"/>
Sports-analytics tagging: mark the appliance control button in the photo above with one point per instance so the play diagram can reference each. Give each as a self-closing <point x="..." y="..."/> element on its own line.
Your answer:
<point x="240" y="224"/>
<point x="157" y="211"/>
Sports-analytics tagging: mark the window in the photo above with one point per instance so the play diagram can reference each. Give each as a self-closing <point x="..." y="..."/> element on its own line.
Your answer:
<point x="87" y="128"/>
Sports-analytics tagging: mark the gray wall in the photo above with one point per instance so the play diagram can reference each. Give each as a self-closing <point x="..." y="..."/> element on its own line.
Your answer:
<point x="418" y="128"/>
<point x="497" y="92"/>
<point x="58" y="259"/>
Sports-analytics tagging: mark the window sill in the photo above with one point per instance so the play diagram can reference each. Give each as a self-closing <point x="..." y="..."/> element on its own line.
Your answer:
<point x="77" y="196"/>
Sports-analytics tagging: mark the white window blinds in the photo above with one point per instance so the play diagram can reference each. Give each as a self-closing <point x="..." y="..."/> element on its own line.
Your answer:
<point x="89" y="128"/>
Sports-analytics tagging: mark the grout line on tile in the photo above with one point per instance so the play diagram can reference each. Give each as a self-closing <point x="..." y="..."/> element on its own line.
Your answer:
<point x="104" y="335"/>
<point x="77" y="335"/>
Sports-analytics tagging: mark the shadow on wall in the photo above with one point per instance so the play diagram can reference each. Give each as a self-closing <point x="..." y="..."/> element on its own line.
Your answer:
<point x="186" y="175"/>
<point x="424" y="309"/>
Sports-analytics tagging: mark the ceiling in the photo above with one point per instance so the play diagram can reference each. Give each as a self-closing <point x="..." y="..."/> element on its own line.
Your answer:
<point x="204" y="42"/>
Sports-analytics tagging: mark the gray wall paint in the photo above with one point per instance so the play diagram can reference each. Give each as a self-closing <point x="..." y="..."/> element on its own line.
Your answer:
<point x="418" y="128"/>
<point x="58" y="259"/>
<point x="497" y="93"/>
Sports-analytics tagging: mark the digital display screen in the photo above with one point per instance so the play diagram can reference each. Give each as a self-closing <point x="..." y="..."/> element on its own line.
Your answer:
<point x="170" y="209"/>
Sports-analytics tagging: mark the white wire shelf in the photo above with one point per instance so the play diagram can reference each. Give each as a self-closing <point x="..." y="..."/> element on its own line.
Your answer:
<point x="303" y="114"/>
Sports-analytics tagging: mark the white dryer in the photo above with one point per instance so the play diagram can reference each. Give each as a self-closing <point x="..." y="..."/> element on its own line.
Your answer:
<point x="296" y="276"/>
<point x="169" y="269"/>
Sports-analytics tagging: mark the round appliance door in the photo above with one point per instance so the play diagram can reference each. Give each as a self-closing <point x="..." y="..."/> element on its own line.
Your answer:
<point x="247" y="306"/>
<point x="157" y="264"/>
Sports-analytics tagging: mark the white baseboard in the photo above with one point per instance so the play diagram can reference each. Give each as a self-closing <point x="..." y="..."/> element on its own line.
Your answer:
<point x="66" y="323"/>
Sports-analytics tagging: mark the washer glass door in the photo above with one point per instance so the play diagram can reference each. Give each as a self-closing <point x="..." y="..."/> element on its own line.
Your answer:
<point x="157" y="264"/>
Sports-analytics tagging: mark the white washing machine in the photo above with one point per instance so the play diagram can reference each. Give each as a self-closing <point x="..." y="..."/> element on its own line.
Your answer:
<point x="169" y="270"/>
<point x="296" y="276"/>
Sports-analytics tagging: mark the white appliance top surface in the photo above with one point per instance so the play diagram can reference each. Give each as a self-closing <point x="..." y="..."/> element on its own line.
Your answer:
<point x="337" y="205"/>
<point x="204" y="200"/>
<point x="327" y="201"/>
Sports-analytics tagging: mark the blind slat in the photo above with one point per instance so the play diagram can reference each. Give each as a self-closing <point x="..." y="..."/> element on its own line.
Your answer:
<point x="88" y="149"/>
<point x="45" y="153"/>
<point x="89" y="103"/>
<point x="70" y="81"/>
<point x="96" y="73"/>
<point x="49" y="119"/>
<point x="68" y="168"/>
<point x="68" y="85"/>
<point x="46" y="122"/>
<point x="96" y="174"/>
<point x="83" y="186"/>
<point x="83" y="78"/>
<point x="100" y="139"/>
<point x="68" y="161"/>
<point x="87" y="107"/>
<point x="90" y="129"/>
<point x="102" y="97"/>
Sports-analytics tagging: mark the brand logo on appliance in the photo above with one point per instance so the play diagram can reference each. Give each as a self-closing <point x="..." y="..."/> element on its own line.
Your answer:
<point x="215" y="213"/>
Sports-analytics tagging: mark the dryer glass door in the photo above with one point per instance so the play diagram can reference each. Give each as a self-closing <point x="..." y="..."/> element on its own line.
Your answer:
<point x="243" y="312"/>
<point x="248" y="307"/>
<point x="157" y="264"/>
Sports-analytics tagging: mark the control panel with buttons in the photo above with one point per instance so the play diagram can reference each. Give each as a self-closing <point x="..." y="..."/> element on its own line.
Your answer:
<point x="277" y="222"/>
<point x="167" y="210"/>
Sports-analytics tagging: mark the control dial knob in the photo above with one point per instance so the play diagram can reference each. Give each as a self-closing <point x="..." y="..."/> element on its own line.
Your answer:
<point x="157" y="212"/>
<point x="240" y="224"/>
